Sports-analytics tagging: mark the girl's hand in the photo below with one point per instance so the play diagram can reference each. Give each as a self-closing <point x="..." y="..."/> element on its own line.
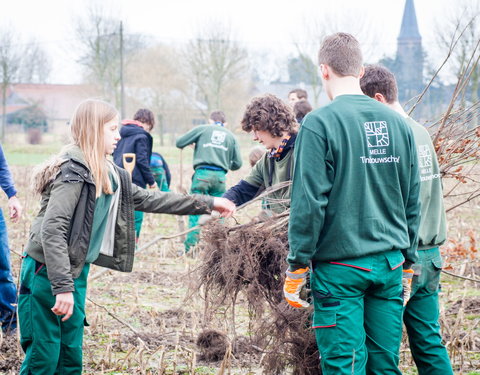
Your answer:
<point x="64" y="305"/>
<point x="224" y="206"/>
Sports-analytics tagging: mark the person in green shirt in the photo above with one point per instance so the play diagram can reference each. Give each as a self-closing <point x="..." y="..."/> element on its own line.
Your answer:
<point x="354" y="218"/>
<point x="421" y="314"/>
<point x="216" y="152"/>
<point x="272" y="123"/>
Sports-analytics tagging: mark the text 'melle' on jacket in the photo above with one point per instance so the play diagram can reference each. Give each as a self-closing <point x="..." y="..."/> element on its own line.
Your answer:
<point x="214" y="146"/>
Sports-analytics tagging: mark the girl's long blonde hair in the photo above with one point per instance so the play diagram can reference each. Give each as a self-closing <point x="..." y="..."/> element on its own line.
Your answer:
<point x="87" y="126"/>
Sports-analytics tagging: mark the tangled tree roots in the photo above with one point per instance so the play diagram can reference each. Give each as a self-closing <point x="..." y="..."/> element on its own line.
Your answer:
<point x="212" y="345"/>
<point x="250" y="259"/>
<point x="292" y="341"/>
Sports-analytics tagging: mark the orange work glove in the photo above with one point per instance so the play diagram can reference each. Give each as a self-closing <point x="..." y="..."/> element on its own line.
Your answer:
<point x="294" y="282"/>
<point x="407" y="285"/>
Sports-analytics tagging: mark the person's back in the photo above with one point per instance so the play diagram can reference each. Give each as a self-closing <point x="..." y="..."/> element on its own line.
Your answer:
<point x="216" y="152"/>
<point x="139" y="142"/>
<point x="421" y="312"/>
<point x="160" y="171"/>
<point x="353" y="219"/>
<point x="432" y="230"/>
<point x="369" y="179"/>
<point x="214" y="146"/>
<point x="136" y="139"/>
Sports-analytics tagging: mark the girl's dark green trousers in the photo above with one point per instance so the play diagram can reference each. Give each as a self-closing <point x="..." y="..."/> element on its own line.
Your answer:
<point x="50" y="345"/>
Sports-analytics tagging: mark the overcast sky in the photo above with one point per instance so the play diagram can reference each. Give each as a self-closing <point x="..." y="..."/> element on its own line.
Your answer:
<point x="270" y="25"/>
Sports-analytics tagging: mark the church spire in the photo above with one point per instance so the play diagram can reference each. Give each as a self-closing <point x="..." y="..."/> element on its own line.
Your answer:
<point x="409" y="60"/>
<point x="409" y="29"/>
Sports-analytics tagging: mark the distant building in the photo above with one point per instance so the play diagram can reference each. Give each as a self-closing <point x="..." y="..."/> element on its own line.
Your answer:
<point x="47" y="105"/>
<point x="408" y="65"/>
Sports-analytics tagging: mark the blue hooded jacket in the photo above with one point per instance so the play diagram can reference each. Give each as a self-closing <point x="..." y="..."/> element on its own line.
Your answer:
<point x="138" y="141"/>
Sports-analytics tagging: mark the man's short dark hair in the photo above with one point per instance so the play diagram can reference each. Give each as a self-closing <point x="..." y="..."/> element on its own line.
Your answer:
<point x="378" y="79"/>
<point x="342" y="53"/>
<point x="269" y="113"/>
<point x="146" y="116"/>
<point x="301" y="108"/>
<point x="301" y="93"/>
<point x="218" y="116"/>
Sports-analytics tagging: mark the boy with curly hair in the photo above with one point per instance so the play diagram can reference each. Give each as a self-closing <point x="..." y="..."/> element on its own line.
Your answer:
<point x="271" y="123"/>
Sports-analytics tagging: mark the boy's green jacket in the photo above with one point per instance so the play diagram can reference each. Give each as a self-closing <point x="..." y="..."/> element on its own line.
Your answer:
<point x="356" y="184"/>
<point x="214" y="145"/>
<point x="60" y="234"/>
<point x="433" y="223"/>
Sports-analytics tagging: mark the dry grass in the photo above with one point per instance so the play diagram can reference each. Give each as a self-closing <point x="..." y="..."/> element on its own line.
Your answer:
<point x="162" y="318"/>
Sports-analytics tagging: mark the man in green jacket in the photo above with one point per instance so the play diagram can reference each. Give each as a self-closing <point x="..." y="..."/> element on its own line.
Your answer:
<point x="422" y="309"/>
<point x="354" y="218"/>
<point x="216" y="152"/>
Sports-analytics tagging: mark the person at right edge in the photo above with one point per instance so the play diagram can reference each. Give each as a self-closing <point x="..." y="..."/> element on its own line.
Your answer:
<point x="421" y="312"/>
<point x="354" y="219"/>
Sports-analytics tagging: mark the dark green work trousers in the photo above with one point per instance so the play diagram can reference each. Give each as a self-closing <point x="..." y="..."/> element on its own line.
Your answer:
<point x="138" y="215"/>
<point x="421" y="316"/>
<point x="50" y="345"/>
<point x="207" y="182"/>
<point x="358" y="314"/>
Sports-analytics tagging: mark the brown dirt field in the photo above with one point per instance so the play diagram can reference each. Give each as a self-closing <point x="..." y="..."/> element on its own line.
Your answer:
<point x="161" y="318"/>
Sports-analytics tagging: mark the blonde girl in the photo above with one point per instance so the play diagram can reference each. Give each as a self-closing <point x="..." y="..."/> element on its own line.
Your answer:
<point x="86" y="216"/>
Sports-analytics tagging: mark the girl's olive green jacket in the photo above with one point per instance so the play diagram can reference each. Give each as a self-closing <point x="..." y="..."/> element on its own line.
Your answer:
<point x="60" y="234"/>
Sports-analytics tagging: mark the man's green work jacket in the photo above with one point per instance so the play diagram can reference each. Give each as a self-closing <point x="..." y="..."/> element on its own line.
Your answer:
<point x="356" y="184"/>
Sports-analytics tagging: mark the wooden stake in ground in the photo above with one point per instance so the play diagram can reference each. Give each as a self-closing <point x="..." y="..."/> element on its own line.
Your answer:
<point x="181" y="189"/>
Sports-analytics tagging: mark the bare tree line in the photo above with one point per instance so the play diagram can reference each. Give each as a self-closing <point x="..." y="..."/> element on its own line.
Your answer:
<point x="211" y="71"/>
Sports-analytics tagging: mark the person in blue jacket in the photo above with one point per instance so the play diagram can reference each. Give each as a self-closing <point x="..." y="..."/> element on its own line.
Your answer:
<point x="136" y="139"/>
<point x="161" y="171"/>
<point x="8" y="291"/>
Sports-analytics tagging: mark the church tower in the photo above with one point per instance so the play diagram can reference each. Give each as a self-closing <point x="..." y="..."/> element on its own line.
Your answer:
<point x="409" y="59"/>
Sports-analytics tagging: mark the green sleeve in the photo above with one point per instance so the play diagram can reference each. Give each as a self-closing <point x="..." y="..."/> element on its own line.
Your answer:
<point x="312" y="182"/>
<point x="188" y="139"/>
<point x="256" y="175"/>
<point x="236" y="162"/>
<point x="412" y="209"/>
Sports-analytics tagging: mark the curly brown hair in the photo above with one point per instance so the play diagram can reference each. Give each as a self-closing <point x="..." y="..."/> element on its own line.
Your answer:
<point x="269" y="113"/>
